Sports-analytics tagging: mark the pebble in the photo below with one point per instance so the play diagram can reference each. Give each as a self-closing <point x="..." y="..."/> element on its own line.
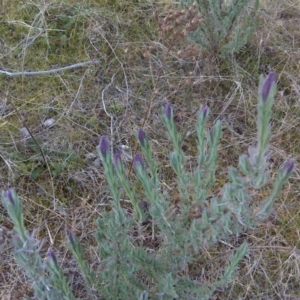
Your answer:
<point x="49" y="123"/>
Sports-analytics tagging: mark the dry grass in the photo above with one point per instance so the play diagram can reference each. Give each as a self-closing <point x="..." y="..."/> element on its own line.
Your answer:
<point x="141" y="69"/>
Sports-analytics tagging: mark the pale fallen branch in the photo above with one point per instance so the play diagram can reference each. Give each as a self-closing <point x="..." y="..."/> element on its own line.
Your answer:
<point x="30" y="73"/>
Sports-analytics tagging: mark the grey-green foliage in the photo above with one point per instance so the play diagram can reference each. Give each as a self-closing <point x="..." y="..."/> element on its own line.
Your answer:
<point x="46" y="276"/>
<point x="129" y="269"/>
<point x="227" y="24"/>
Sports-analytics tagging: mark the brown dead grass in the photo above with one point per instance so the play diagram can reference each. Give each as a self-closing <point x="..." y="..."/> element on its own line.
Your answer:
<point x="139" y="71"/>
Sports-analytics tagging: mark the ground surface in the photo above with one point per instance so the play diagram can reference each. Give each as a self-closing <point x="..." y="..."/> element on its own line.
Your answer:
<point x="137" y="71"/>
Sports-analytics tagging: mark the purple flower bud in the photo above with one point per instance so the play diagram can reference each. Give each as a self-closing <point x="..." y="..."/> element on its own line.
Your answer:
<point x="168" y="111"/>
<point x="289" y="167"/>
<point x="52" y="255"/>
<point x="9" y="195"/>
<point x="138" y="160"/>
<point x="204" y="111"/>
<point x="144" y="295"/>
<point x="104" y="146"/>
<point x="71" y="238"/>
<point x="267" y="85"/>
<point x="117" y="159"/>
<point x="142" y="137"/>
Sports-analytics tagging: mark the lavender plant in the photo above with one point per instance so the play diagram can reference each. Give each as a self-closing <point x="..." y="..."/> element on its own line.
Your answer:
<point x="128" y="269"/>
<point x="47" y="277"/>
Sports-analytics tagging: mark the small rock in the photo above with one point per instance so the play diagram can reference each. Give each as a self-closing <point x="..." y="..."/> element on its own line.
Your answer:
<point x="49" y="123"/>
<point x="90" y="156"/>
<point x="97" y="162"/>
<point x="24" y="132"/>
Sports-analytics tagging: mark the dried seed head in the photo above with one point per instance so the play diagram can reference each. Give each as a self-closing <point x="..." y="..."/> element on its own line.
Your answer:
<point x="146" y="54"/>
<point x="188" y="81"/>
